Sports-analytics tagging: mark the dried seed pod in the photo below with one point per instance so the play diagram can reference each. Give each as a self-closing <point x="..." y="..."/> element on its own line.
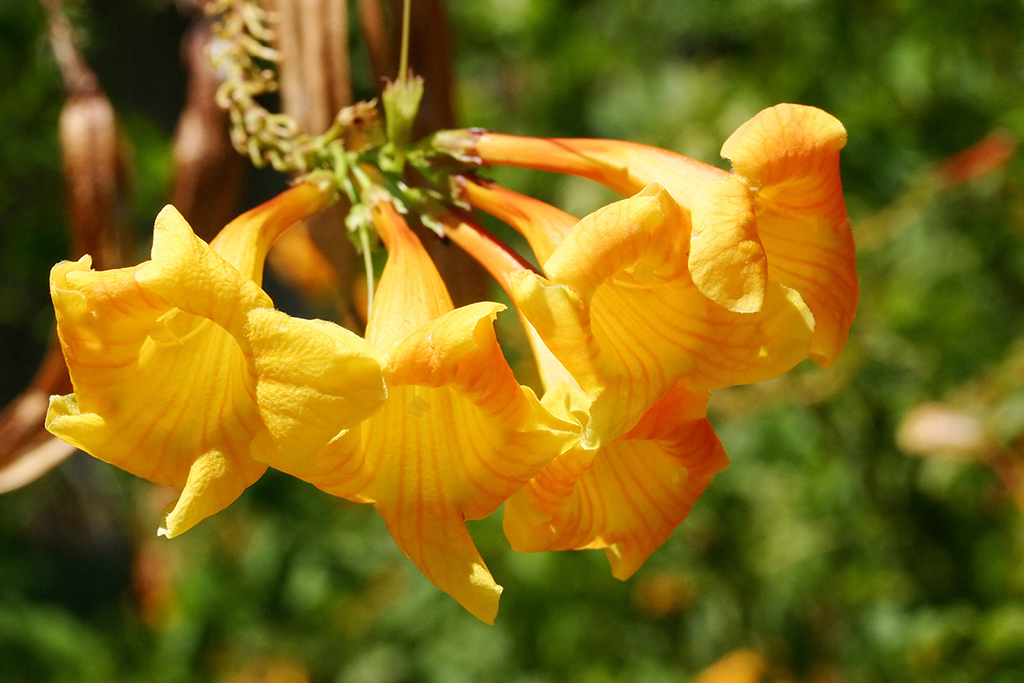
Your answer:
<point x="27" y="450"/>
<point x="95" y="176"/>
<point x="315" y="75"/>
<point x="315" y="78"/>
<point x="96" y="185"/>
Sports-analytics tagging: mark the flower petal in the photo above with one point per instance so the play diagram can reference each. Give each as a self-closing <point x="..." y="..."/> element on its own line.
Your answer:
<point x="543" y="225"/>
<point x="456" y="437"/>
<point x="620" y="313"/>
<point x="410" y="291"/>
<point x="434" y="536"/>
<point x="790" y="155"/>
<point x="160" y="393"/>
<point x="643" y="239"/>
<point x="727" y="261"/>
<point x="244" y="242"/>
<point x="195" y="278"/>
<point x="165" y="385"/>
<point x="315" y="381"/>
<point x="625" y="497"/>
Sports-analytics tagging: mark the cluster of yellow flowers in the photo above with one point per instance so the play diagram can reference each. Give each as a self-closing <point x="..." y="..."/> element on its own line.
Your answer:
<point x="186" y="375"/>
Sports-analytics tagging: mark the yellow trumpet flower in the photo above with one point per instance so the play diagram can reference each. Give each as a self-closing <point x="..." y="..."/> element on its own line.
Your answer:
<point x="164" y="378"/>
<point x="627" y="496"/>
<point x="455" y="438"/>
<point x="779" y="217"/>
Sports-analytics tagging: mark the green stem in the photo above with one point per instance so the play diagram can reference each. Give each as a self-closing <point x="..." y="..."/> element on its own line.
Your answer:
<point x="364" y="243"/>
<point x="403" y="63"/>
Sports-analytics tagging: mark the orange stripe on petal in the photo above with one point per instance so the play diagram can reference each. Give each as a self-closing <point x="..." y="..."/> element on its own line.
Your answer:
<point x="790" y="155"/>
<point x="411" y="291"/>
<point x="437" y="541"/>
<point x="432" y="460"/>
<point x="626" y="167"/>
<point x="621" y="314"/>
<point x="644" y="238"/>
<point x="626" y="497"/>
<point x="178" y="408"/>
<point x="245" y="241"/>
<point x="543" y="225"/>
<point x="784" y="143"/>
<point x="456" y="436"/>
<point x="165" y="386"/>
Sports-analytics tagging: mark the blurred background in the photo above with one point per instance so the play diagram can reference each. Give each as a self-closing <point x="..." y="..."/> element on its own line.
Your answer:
<point x="869" y="528"/>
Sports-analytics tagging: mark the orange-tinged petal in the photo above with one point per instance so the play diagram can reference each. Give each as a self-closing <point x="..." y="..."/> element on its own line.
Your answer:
<point x="626" y="167"/>
<point x="787" y="143"/>
<point x="789" y="154"/>
<point x="543" y="225"/>
<point x="161" y="393"/>
<point x="619" y="311"/>
<point x="641" y="240"/>
<point x="455" y="438"/>
<point x="501" y="262"/>
<point x="625" y="497"/>
<point x="498" y="259"/>
<point x="411" y="291"/>
<point x="245" y="241"/>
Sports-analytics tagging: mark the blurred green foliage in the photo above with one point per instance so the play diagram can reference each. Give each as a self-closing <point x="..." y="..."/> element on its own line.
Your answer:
<point x="823" y="545"/>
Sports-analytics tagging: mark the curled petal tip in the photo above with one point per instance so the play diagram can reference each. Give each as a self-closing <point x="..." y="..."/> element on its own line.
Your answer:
<point x="727" y="260"/>
<point x="437" y="541"/>
<point x="485" y="605"/>
<point x="215" y="480"/>
<point x="620" y="562"/>
<point x="789" y="155"/>
<point x="781" y="139"/>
